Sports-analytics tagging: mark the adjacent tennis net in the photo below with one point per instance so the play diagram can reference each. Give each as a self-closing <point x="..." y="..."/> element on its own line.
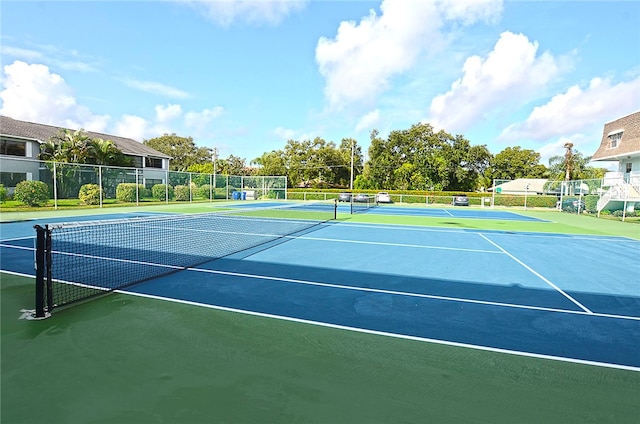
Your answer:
<point x="362" y="203"/>
<point x="76" y="261"/>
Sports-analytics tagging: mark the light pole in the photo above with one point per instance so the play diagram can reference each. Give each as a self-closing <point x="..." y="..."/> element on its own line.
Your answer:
<point x="351" y="185"/>
<point x="214" y="158"/>
<point x="526" y="191"/>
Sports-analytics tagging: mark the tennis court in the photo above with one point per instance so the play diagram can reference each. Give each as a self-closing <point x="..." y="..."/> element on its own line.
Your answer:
<point x="542" y="300"/>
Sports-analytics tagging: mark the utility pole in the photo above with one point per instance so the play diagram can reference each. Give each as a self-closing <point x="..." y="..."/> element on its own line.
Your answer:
<point x="351" y="185"/>
<point x="214" y="159"/>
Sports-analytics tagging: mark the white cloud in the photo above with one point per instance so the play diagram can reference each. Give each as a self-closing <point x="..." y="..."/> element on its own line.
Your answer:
<point x="556" y="148"/>
<point x="227" y="12"/>
<point x="368" y="121"/>
<point x="157" y="88"/>
<point x="168" y="112"/>
<point x="33" y="93"/>
<point x="578" y="108"/>
<point x="284" y="133"/>
<point x="471" y="11"/>
<point x="20" y="53"/>
<point x="360" y="60"/>
<point x="512" y="73"/>
<point x="203" y="118"/>
<point x="134" y="127"/>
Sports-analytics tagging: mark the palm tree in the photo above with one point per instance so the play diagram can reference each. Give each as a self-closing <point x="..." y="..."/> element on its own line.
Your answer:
<point x="73" y="146"/>
<point x="103" y="152"/>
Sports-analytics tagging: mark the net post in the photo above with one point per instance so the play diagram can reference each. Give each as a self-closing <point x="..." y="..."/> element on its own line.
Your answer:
<point x="41" y="236"/>
<point x="48" y="262"/>
<point x="335" y="208"/>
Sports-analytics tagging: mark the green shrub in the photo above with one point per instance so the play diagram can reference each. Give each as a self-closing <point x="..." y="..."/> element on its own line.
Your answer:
<point x="206" y="191"/>
<point x="182" y="193"/>
<point x="159" y="191"/>
<point x="126" y="192"/>
<point x="620" y="213"/>
<point x="32" y="193"/>
<point x="591" y="203"/>
<point x="89" y="194"/>
<point x="3" y="193"/>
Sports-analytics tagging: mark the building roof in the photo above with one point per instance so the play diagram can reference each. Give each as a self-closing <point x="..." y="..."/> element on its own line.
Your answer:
<point x="629" y="143"/>
<point x="535" y="185"/>
<point x="41" y="133"/>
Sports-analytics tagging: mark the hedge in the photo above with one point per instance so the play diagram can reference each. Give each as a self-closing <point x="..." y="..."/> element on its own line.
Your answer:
<point x="182" y="192"/>
<point x="89" y="194"/>
<point x="32" y="193"/>
<point x="126" y="192"/>
<point x="159" y="191"/>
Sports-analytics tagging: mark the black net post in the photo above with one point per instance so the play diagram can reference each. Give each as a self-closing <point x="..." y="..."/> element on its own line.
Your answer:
<point x="48" y="261"/>
<point x="41" y="242"/>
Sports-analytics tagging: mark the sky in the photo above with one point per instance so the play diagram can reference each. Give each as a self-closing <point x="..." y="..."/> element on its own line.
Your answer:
<point x="245" y="77"/>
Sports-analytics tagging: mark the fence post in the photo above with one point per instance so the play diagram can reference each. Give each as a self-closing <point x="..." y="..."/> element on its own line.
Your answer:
<point x="55" y="187"/>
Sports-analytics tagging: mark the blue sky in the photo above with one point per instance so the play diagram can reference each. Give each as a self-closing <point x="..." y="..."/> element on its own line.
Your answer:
<point x="246" y="76"/>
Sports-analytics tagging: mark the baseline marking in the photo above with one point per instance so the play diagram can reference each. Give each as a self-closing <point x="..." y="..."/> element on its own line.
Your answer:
<point x="382" y="333"/>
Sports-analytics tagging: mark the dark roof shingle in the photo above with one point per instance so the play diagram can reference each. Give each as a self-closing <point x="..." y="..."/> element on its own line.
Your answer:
<point x="42" y="133"/>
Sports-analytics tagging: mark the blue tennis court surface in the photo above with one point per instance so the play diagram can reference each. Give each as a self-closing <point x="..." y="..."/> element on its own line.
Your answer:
<point x="544" y="295"/>
<point x="457" y="212"/>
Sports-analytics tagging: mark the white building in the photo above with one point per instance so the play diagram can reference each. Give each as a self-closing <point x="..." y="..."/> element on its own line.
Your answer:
<point x="621" y="143"/>
<point x="20" y="146"/>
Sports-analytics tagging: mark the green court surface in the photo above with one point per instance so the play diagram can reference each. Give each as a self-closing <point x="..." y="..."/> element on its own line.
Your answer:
<point x="130" y="359"/>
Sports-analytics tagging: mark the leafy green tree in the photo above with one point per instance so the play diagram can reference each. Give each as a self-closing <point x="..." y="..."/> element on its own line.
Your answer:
<point x="419" y="158"/>
<point x="316" y="161"/>
<point x="515" y="162"/>
<point x="271" y="163"/>
<point x="235" y="165"/>
<point x="182" y="150"/>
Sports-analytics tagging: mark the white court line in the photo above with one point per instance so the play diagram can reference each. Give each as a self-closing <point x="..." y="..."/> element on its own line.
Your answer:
<point x="382" y="333"/>
<point x="537" y="274"/>
<point x="411" y="294"/>
<point x="17" y="239"/>
<point x="10" y="246"/>
<point x="378" y="243"/>
<point x="416" y="228"/>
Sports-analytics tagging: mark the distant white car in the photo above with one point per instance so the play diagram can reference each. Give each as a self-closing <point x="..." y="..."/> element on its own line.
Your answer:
<point x="383" y="197"/>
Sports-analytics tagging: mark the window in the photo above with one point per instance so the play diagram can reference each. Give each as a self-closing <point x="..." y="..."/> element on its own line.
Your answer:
<point x="11" y="179"/>
<point x="137" y="161"/>
<point x="614" y="139"/>
<point x="13" y="148"/>
<point x="628" y="167"/>
<point x="153" y="163"/>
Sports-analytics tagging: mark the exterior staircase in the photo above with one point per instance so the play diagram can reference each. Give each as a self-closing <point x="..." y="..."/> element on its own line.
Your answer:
<point x="619" y="194"/>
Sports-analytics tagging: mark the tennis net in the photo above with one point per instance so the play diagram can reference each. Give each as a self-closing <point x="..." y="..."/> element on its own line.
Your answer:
<point x="77" y="261"/>
<point x="362" y="203"/>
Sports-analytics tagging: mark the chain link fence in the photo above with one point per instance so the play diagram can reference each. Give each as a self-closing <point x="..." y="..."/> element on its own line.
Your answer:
<point x="135" y="185"/>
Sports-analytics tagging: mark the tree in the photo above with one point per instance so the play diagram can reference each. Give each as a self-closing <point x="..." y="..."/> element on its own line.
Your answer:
<point x="105" y="152"/>
<point x="271" y="163"/>
<point x="77" y="147"/>
<point x="182" y="150"/>
<point x="419" y="158"/>
<point x="235" y="165"/>
<point x="67" y="146"/>
<point x="515" y="162"/>
<point x="575" y="167"/>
